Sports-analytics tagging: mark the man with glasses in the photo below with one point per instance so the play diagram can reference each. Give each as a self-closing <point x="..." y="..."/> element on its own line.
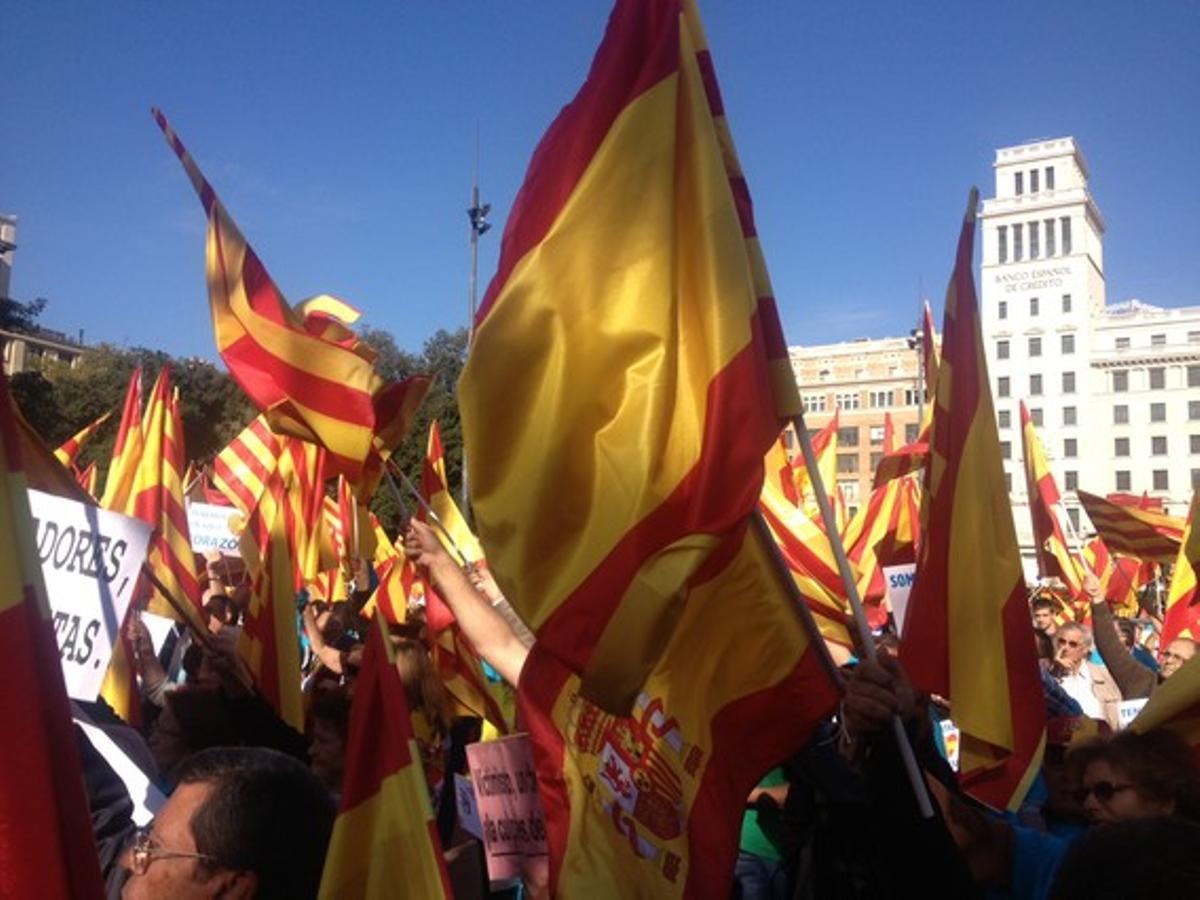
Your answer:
<point x="1090" y="685"/>
<point x="244" y="822"/>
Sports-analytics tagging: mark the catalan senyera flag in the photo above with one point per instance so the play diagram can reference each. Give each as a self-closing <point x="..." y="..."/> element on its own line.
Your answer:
<point x="966" y="635"/>
<point x="885" y="532"/>
<point x="628" y="371"/>
<point x="243" y="468"/>
<point x="825" y="446"/>
<point x="301" y="366"/>
<point x="69" y="451"/>
<point x="127" y="448"/>
<point x="1054" y="556"/>
<point x="1121" y="577"/>
<point x="1143" y="533"/>
<point x="46" y="844"/>
<point x="88" y="478"/>
<point x="1182" y="618"/>
<point x="385" y="841"/>
<point x="436" y="490"/>
<point x="1175" y="705"/>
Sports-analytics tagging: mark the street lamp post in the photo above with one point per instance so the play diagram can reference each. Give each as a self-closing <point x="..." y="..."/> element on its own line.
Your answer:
<point x="477" y="217"/>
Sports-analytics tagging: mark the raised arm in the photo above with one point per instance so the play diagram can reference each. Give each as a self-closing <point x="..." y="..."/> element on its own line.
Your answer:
<point x="492" y="636"/>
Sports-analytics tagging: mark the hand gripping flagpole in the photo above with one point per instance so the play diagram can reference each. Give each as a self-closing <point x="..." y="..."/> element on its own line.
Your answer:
<point x="860" y="617"/>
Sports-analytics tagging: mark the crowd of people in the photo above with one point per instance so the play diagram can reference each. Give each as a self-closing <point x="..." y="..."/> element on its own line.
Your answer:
<point x="252" y="801"/>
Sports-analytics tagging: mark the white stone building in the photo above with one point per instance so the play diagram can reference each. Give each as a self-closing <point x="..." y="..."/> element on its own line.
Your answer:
<point x="1115" y="390"/>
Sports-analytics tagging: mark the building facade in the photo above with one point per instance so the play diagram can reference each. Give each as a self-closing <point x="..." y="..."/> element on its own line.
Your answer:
<point x="29" y="350"/>
<point x="862" y="380"/>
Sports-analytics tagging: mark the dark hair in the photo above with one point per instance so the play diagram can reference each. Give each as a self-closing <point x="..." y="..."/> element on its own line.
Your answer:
<point x="266" y="814"/>
<point x="1044" y="603"/>
<point x="1159" y="763"/>
<point x="1097" y="866"/>
<point x="1127" y="629"/>
<point x="332" y="705"/>
<point x="1045" y="644"/>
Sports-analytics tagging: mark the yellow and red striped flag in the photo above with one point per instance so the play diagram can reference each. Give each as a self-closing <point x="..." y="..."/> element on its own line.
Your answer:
<point x="613" y="480"/>
<point x="825" y="447"/>
<point x="966" y="635"/>
<point x="780" y="475"/>
<point x="1182" y="618"/>
<point x="127" y="448"/>
<point x="46" y="844"/>
<point x="243" y="468"/>
<point x="1054" y="557"/>
<point x="385" y="841"/>
<point x="605" y="473"/>
<point x="1175" y="706"/>
<point x="1143" y="533"/>
<point x="314" y="385"/>
<point x="69" y="451"/>
<point x="88" y="478"/>
<point x="884" y="532"/>
<point x="436" y="490"/>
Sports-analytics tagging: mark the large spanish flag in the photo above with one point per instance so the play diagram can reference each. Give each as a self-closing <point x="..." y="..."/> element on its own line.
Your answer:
<point x="301" y="366"/>
<point x="68" y="452"/>
<point x="966" y="636"/>
<point x="1133" y="530"/>
<point x="46" y="843"/>
<point x="628" y="372"/>
<point x="1054" y="557"/>
<point x="385" y="841"/>
<point x="1182" y="617"/>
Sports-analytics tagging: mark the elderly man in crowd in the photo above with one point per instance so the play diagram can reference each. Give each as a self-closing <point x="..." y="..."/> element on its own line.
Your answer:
<point x="1090" y="685"/>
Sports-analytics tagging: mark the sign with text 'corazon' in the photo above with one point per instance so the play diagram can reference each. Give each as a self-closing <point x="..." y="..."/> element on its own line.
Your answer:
<point x="208" y="524"/>
<point x="90" y="560"/>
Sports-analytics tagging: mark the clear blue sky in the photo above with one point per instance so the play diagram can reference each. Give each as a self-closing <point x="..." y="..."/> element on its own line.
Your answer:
<point x="340" y="136"/>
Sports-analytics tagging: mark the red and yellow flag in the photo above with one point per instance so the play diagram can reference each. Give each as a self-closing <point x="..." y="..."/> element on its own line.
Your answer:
<point x="127" y="448"/>
<point x="1054" y="557"/>
<point x="966" y="636"/>
<point x="628" y="372"/>
<point x="825" y="447"/>
<point x="436" y="490"/>
<point x="46" y="843"/>
<point x="385" y="841"/>
<point x="69" y="451"/>
<point x="1182" y="617"/>
<point x="241" y="470"/>
<point x="1143" y="533"/>
<point x="88" y="478"/>
<point x="884" y="532"/>
<point x="302" y="367"/>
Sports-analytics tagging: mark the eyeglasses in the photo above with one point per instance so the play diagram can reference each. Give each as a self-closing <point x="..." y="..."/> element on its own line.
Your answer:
<point x="1104" y="791"/>
<point x="1167" y="654"/>
<point x="144" y="851"/>
<point x="1067" y="642"/>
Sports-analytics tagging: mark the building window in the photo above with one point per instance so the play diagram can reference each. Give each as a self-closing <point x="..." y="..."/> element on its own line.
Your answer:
<point x="1158" y="445"/>
<point x="1019" y="183"/>
<point x="1004" y="418"/>
<point x="848" y="436"/>
<point x="1158" y="340"/>
<point x="1008" y="482"/>
<point x="1193" y="375"/>
<point x="1195" y="479"/>
<point x="1068" y="382"/>
<point x="1035" y="346"/>
<point x="1070" y="448"/>
<point x="1049" y="178"/>
<point x="1006" y="449"/>
<point x="1121" y="447"/>
<point x="1068" y="415"/>
<point x="848" y="401"/>
<point x="1001" y="349"/>
<point x="880" y="399"/>
<point x="1071" y="480"/>
<point x="814" y="403"/>
<point x="875" y="458"/>
<point x="1194" y="410"/>
<point x="1120" y="383"/>
<point x="1002" y="232"/>
<point x="1002" y="387"/>
<point x="1035" y="416"/>
<point x="1194" y="443"/>
<point x="1121" y="414"/>
<point x="847" y="462"/>
<point x="1033" y="306"/>
<point x="1035" y="385"/>
<point x="1003" y="309"/>
<point x="877" y="435"/>
<point x="1049" y="223"/>
<point x="1194" y="337"/>
<point x="1035" y="244"/>
<point x="1073" y="511"/>
<point x="1033" y="181"/>
<point x="849" y="491"/>
<point x="1122" y="479"/>
<point x="912" y="431"/>
<point x="1158" y="412"/>
<point x="1066" y="298"/>
<point x="1068" y="343"/>
<point x="1018" y="242"/>
<point x="1161" y="482"/>
<point x="1064" y="231"/>
<point x="1158" y="378"/>
<point x="910" y="396"/>
<point x="1122" y="343"/>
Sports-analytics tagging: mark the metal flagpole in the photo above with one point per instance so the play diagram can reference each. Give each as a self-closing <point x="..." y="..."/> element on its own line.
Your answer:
<point x="860" y="617"/>
<point x="477" y="216"/>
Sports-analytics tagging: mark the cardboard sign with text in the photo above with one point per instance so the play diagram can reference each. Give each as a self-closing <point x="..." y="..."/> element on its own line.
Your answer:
<point x="91" y="559"/>
<point x="506" y="801"/>
<point x="899" y="581"/>
<point x="208" y="525"/>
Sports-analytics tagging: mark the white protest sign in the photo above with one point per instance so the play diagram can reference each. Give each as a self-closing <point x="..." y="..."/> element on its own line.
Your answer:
<point x="208" y="524"/>
<point x="899" y="581"/>
<point x="90" y="560"/>
<point x="1127" y="710"/>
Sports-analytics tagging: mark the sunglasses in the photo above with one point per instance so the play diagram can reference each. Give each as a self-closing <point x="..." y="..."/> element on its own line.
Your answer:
<point x="1103" y="791"/>
<point x="1066" y="642"/>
